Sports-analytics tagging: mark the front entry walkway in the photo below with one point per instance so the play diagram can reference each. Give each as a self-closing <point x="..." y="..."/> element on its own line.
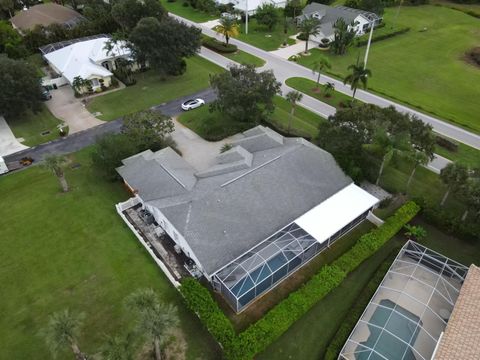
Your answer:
<point x="65" y="106"/>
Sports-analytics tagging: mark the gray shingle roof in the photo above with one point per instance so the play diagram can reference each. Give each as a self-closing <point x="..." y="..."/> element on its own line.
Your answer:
<point x="329" y="15"/>
<point x="227" y="213"/>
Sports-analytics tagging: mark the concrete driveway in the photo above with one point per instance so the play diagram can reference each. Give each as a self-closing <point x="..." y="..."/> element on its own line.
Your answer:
<point x="8" y="143"/>
<point x="195" y="150"/>
<point x="65" y="106"/>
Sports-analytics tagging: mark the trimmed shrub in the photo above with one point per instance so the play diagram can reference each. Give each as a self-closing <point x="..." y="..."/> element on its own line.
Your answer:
<point x="302" y="36"/>
<point x="446" y="143"/>
<point x="258" y="336"/>
<point x="383" y="36"/>
<point x="215" y="45"/>
<point x="201" y="302"/>
<point x="369" y="243"/>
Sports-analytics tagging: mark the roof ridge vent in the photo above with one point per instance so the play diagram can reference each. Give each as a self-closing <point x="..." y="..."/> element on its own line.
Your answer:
<point x="250" y="171"/>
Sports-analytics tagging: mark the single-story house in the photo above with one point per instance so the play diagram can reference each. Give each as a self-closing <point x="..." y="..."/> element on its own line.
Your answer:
<point x="251" y="5"/>
<point x="426" y="307"/>
<point x="88" y="59"/>
<point x="267" y="206"/>
<point x="328" y="15"/>
<point x="45" y="14"/>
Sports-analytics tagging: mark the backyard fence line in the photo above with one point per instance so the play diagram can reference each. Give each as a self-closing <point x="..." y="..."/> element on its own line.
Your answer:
<point x="120" y="207"/>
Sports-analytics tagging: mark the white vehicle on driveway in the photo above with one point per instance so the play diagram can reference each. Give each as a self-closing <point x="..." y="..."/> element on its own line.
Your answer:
<point x="192" y="104"/>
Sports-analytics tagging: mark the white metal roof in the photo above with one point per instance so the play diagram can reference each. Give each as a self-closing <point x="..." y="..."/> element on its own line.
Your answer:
<point x="84" y="58"/>
<point x="333" y="214"/>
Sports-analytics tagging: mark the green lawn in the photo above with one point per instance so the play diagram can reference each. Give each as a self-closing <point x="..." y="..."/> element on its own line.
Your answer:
<point x="306" y="86"/>
<point x="188" y="12"/>
<point x="151" y="90"/>
<point x="474" y="8"/>
<point x="214" y="126"/>
<point x="73" y="251"/>
<point x="243" y="57"/>
<point x="259" y="36"/>
<point x="30" y="127"/>
<point x="465" y="154"/>
<point x="423" y="68"/>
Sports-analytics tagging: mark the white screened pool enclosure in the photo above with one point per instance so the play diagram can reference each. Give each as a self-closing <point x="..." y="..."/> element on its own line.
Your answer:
<point x="409" y="311"/>
<point x="264" y="266"/>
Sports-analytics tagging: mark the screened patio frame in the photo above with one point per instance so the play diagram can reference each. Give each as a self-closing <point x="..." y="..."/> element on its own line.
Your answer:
<point x="267" y="264"/>
<point x="444" y="290"/>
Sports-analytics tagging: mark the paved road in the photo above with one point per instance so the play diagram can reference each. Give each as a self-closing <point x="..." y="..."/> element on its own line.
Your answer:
<point x="88" y="137"/>
<point x="284" y="69"/>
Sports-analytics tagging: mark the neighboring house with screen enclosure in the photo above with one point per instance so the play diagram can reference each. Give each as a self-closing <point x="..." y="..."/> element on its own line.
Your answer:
<point x="426" y="307"/>
<point x="262" y="210"/>
<point x="90" y="58"/>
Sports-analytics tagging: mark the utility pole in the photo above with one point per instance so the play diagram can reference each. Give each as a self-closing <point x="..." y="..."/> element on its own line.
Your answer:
<point x="246" y="16"/>
<point x="368" y="46"/>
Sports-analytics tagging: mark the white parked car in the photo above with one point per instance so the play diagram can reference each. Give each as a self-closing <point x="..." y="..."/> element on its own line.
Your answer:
<point x="192" y="104"/>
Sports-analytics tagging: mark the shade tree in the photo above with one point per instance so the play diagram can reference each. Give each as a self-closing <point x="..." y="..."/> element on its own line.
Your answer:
<point x="164" y="44"/>
<point x="127" y="13"/>
<point x="454" y="176"/>
<point x="245" y="95"/>
<point x="267" y="15"/>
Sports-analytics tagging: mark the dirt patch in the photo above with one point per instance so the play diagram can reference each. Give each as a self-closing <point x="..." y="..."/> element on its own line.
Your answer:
<point x="472" y="57"/>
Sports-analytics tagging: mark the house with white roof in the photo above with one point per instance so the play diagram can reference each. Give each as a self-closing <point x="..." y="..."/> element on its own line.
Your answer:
<point x="89" y="59"/>
<point x="261" y="211"/>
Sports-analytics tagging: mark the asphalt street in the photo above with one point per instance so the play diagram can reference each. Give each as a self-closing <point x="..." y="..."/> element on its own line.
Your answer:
<point x="88" y="137"/>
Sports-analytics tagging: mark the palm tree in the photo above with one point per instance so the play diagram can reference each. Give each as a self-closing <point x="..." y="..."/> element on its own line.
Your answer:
<point x="118" y="348"/>
<point x="228" y="28"/>
<point x="56" y="164"/>
<point x="293" y="97"/>
<point x="359" y="74"/>
<point x="321" y="64"/>
<point x="418" y="158"/>
<point x="455" y="176"/>
<point x="154" y="320"/>
<point x="388" y="145"/>
<point x="309" y="26"/>
<point x="62" y="331"/>
<point x="328" y="88"/>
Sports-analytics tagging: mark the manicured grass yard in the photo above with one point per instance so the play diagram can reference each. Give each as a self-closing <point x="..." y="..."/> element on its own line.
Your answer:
<point x="214" y="126"/>
<point x="243" y="57"/>
<point x="30" y="127"/>
<point x="188" y="12"/>
<point x="151" y="90"/>
<point x="259" y="36"/>
<point x="306" y="86"/>
<point x="423" y="68"/>
<point x="73" y="251"/>
<point x="465" y="154"/>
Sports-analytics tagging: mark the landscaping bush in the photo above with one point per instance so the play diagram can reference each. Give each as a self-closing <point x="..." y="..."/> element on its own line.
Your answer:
<point x="445" y="143"/>
<point x="215" y="45"/>
<point x="302" y="36"/>
<point x="261" y="334"/>
<point x="383" y="36"/>
<point x="449" y="223"/>
<point x="201" y="302"/>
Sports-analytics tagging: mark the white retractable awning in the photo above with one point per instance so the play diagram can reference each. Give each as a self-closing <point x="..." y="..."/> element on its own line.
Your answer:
<point x="333" y="214"/>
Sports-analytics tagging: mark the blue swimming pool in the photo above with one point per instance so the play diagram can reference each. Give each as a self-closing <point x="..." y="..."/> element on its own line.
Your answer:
<point x="401" y="322"/>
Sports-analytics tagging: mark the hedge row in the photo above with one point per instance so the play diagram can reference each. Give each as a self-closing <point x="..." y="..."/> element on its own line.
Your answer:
<point x="201" y="302"/>
<point x="261" y="334"/>
<point x="383" y="36"/>
<point x="215" y="45"/>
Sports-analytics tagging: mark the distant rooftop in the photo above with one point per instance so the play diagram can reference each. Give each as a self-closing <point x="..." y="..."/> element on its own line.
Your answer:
<point x="46" y="14"/>
<point x="461" y="339"/>
<point x="263" y="183"/>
